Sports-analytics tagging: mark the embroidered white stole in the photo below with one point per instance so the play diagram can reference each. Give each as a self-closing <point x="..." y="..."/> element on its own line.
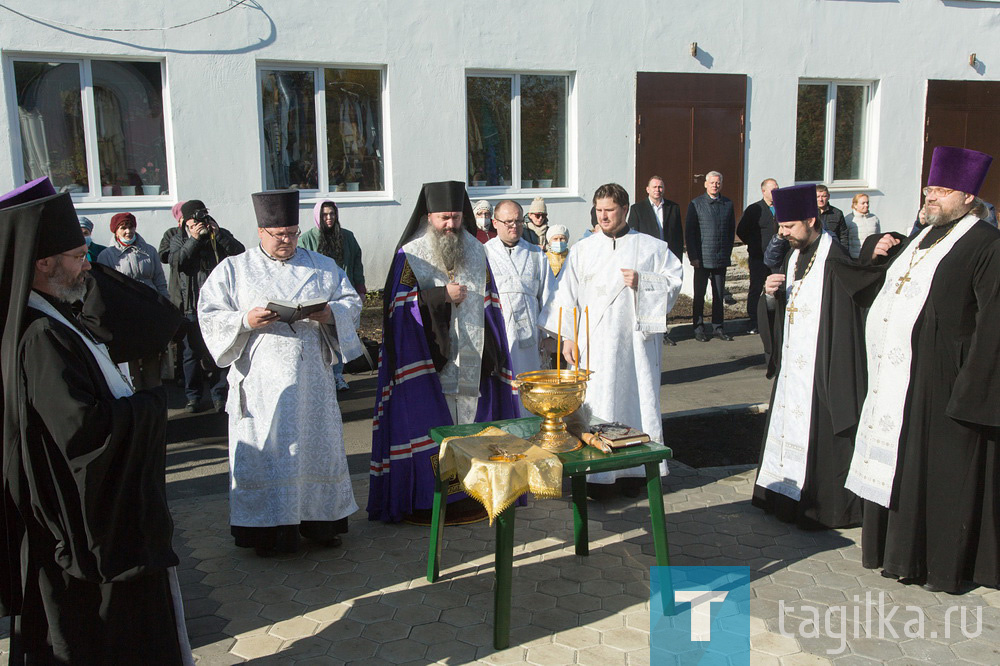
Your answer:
<point x="786" y="450"/>
<point x="888" y="333"/>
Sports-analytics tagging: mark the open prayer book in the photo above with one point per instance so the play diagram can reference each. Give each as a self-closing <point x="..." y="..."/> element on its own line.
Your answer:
<point x="289" y="312"/>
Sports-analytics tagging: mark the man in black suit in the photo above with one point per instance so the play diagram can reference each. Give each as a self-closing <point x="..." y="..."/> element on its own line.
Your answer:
<point x="659" y="218"/>
<point x="756" y="228"/>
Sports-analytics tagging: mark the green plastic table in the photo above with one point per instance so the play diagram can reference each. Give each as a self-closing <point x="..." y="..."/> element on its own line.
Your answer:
<point x="576" y="465"/>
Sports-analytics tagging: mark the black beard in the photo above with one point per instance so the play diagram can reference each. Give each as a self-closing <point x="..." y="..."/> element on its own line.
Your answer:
<point x="448" y="248"/>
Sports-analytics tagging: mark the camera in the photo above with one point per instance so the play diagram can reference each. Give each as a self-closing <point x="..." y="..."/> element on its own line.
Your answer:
<point x="201" y="215"/>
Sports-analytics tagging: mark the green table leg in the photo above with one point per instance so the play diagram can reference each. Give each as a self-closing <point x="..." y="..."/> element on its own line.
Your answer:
<point x="578" y="483"/>
<point x="658" y="518"/>
<point x="504" y="571"/>
<point x="437" y="529"/>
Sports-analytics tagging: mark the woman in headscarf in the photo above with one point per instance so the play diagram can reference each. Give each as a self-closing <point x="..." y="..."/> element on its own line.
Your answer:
<point x="332" y="240"/>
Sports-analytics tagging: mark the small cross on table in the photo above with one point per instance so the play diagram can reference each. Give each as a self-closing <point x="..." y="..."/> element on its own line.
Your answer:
<point x="791" y="312"/>
<point x="903" y="280"/>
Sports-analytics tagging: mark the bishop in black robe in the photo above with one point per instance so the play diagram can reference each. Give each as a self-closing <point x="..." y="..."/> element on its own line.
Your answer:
<point x="87" y="547"/>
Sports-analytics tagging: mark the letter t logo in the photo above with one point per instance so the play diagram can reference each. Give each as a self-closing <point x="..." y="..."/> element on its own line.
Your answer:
<point x="701" y="610"/>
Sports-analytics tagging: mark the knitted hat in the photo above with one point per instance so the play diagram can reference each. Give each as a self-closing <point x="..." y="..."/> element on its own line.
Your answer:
<point x="557" y="230"/>
<point x="121" y="220"/>
<point x="483" y="206"/>
<point x="85" y="223"/>
<point x="538" y="206"/>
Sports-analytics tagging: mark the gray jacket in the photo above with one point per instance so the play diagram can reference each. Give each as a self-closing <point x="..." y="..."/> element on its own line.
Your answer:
<point x="139" y="261"/>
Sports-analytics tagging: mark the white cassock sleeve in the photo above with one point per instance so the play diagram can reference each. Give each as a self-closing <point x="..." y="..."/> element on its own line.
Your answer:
<point x="345" y="304"/>
<point x="223" y="323"/>
<point x="657" y="293"/>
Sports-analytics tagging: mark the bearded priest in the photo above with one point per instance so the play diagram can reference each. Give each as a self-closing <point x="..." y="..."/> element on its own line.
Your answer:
<point x="444" y="357"/>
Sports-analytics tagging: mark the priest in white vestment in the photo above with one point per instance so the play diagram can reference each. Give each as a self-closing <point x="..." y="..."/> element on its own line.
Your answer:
<point x="629" y="281"/>
<point x="288" y="467"/>
<point x="522" y="278"/>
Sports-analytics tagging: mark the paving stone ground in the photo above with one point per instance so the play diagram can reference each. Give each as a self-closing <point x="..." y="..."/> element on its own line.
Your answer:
<point x="368" y="602"/>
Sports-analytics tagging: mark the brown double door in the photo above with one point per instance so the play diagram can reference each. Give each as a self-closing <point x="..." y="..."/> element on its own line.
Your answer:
<point x="964" y="114"/>
<point x="686" y="126"/>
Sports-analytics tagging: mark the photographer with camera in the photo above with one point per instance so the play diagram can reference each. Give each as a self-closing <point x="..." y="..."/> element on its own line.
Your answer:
<point x="192" y="250"/>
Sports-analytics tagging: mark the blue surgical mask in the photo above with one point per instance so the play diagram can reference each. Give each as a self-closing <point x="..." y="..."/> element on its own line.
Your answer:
<point x="130" y="241"/>
<point x="557" y="246"/>
<point x="87" y="239"/>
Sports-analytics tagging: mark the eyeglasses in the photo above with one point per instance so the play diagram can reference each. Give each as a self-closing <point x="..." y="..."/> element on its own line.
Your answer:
<point x="285" y="236"/>
<point x="938" y="192"/>
<point x="509" y="223"/>
<point x="72" y="255"/>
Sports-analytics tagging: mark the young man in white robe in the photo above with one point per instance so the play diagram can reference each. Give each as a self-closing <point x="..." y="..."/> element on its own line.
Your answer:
<point x="628" y="281"/>
<point x="288" y="467"/>
<point x="522" y="278"/>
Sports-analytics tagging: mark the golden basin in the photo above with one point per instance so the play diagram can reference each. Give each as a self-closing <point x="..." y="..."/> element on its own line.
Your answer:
<point x="553" y="395"/>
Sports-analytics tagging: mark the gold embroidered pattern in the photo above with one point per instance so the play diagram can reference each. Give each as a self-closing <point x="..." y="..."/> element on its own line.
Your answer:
<point x="408" y="279"/>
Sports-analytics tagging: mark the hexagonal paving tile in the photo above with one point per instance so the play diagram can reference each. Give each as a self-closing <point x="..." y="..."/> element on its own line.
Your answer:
<point x="272" y="594"/>
<point x="239" y="609"/>
<point x="600" y="655"/>
<point x="383" y="632"/>
<point x="353" y="649"/>
<point x="283" y="610"/>
<point x="546" y="655"/>
<point x="433" y="633"/>
<point x="254" y="647"/>
<point x="577" y="603"/>
<point x="774" y="644"/>
<point x="298" y="627"/>
<point x="444" y="599"/>
<point x="578" y="638"/>
<point x="402" y="651"/>
<point x="463" y="617"/>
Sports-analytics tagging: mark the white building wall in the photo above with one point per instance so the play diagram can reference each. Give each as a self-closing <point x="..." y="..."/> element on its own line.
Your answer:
<point x="427" y="47"/>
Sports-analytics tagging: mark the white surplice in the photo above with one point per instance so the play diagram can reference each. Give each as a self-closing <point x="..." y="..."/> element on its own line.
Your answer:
<point x="521" y="276"/>
<point x="626" y="327"/>
<point x="286" y="440"/>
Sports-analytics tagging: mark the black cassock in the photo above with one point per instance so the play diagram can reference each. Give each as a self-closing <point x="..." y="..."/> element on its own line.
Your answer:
<point x="86" y="474"/>
<point x="943" y="522"/>
<point x="838" y="392"/>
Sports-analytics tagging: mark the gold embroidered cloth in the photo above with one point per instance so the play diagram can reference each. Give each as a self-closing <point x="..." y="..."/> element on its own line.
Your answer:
<point x="495" y="483"/>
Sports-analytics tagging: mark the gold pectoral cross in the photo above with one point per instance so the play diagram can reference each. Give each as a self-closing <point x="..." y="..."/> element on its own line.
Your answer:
<point x="791" y="312"/>
<point x="903" y="280"/>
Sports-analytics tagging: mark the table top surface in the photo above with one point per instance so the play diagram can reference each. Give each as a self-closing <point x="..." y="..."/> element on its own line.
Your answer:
<point x="588" y="459"/>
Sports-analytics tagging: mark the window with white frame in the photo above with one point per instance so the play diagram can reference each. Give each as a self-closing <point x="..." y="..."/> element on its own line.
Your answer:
<point x="322" y="128"/>
<point x="518" y="128"/>
<point x="95" y="127"/>
<point x="831" y="136"/>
